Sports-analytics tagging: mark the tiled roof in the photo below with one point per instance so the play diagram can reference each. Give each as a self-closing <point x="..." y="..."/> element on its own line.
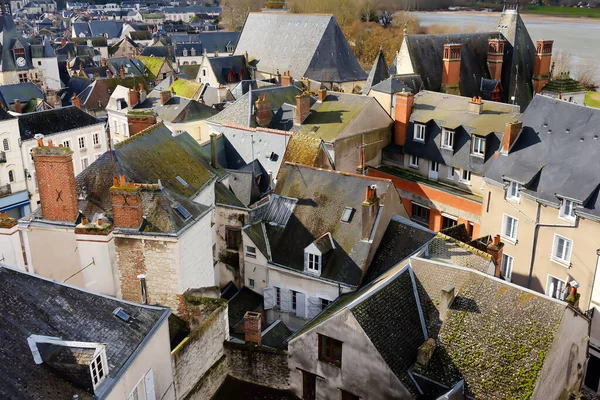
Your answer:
<point x="244" y="300"/>
<point x="30" y="305"/>
<point x="54" y="121"/>
<point x="447" y="250"/>
<point x="186" y="88"/>
<point x="276" y="335"/>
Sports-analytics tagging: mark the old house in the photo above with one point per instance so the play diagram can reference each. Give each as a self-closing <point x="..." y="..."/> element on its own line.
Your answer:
<point x="157" y="68"/>
<point x="126" y="47"/>
<point x="227" y="71"/>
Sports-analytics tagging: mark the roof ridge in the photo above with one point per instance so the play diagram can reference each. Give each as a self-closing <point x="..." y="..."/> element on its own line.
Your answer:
<point x="139" y="134"/>
<point x="350" y="174"/>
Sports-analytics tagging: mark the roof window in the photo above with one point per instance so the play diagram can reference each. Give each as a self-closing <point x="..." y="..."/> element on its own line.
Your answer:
<point x="347" y="214"/>
<point x="182" y="181"/>
<point x="182" y="211"/>
<point x="121" y="314"/>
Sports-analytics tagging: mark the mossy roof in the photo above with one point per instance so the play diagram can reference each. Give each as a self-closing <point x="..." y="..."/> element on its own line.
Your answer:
<point x="153" y="65"/>
<point x="302" y="149"/>
<point x="241" y="302"/>
<point x="564" y="84"/>
<point x="186" y="88"/>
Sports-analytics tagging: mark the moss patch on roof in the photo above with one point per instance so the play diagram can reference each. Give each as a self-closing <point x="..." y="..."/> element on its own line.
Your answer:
<point x="152" y="64"/>
<point x="592" y="99"/>
<point x="302" y="149"/>
<point x="564" y="84"/>
<point x="186" y="88"/>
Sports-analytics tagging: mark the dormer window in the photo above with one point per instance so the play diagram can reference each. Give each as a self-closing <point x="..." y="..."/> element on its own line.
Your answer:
<point x="316" y="253"/>
<point x="478" y="146"/>
<point x="447" y="139"/>
<point x="567" y="210"/>
<point x="420" y="133"/>
<point x="314" y="263"/>
<point x="193" y="51"/>
<point x="230" y="48"/>
<point x="99" y="367"/>
<point x="514" y="191"/>
<point x="185" y="52"/>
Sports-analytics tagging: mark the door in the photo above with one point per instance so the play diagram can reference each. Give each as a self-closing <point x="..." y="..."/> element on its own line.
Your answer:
<point x="433" y="170"/>
<point x="309" y="386"/>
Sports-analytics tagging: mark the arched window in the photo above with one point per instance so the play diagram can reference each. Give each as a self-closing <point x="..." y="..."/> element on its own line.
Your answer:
<point x="5" y="145"/>
<point x="11" y="176"/>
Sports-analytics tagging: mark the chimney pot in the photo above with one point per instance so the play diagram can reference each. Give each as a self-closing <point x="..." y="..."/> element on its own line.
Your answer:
<point x="84" y="221"/>
<point x="50" y="144"/>
<point x="3" y="216"/>
<point x="18" y="106"/>
<point x="100" y="221"/>
<point x="446" y="301"/>
<point x="322" y="94"/>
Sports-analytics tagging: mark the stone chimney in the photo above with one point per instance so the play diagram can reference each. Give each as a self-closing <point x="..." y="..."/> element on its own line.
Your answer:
<point x="56" y="181"/>
<point x="165" y="95"/>
<point x="126" y="204"/>
<point x="541" y="64"/>
<point x="214" y="156"/>
<point x="402" y="113"/>
<point x="134" y="97"/>
<point x="18" y="106"/>
<point x="511" y="132"/>
<point x="425" y="352"/>
<point x="286" y="79"/>
<point x="322" y="93"/>
<point x="263" y="111"/>
<point x="495" y="249"/>
<point x="302" y="107"/>
<point x="252" y="327"/>
<point x="370" y="208"/>
<point x="475" y="105"/>
<point x="451" y="68"/>
<point x="138" y="121"/>
<point x="76" y="101"/>
<point x="446" y="301"/>
<point x="495" y="58"/>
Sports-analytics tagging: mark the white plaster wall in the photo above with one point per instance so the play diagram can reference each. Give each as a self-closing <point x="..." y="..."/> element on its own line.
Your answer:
<point x="10" y="248"/>
<point x="9" y="129"/>
<point x="122" y="131"/>
<point x="103" y="275"/>
<point x="156" y="355"/>
<point x="403" y="61"/>
<point x="49" y="70"/>
<point x="206" y="195"/>
<point x="195" y="256"/>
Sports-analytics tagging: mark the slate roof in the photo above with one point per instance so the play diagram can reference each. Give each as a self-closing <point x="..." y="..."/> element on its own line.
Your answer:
<point x="316" y="47"/>
<point x="555" y="155"/>
<point x="447" y="250"/>
<point x="438" y="110"/>
<point x="31" y="305"/>
<point x="9" y="39"/>
<point x="241" y="302"/>
<point x="156" y="51"/>
<point x="276" y="335"/>
<point x="303" y="149"/>
<point x="225" y="196"/>
<point x="393" y="85"/>
<point x="24" y="92"/>
<point x="180" y="110"/>
<point x="54" y="121"/>
<point x="212" y="41"/>
<point x="221" y="66"/>
<point x="112" y="29"/>
<point x="378" y="73"/>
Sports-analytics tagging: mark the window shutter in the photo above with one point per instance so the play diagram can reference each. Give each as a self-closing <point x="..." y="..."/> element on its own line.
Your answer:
<point x="149" y="384"/>
<point x="286" y="300"/>
<point x="300" y="305"/>
<point x="314" y="306"/>
<point x="269" y="297"/>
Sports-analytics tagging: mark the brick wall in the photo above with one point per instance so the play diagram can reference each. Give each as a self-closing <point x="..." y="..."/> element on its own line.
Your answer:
<point x="138" y="124"/>
<point x="259" y="365"/>
<point x="126" y="208"/>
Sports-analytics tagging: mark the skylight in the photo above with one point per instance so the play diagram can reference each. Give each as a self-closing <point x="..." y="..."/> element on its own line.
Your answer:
<point x="122" y="315"/>
<point x="347" y="214"/>
<point x="182" y="211"/>
<point x="182" y="181"/>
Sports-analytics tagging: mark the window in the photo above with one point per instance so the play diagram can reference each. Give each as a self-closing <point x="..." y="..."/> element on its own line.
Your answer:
<point x="414" y="161"/>
<point x="309" y="386"/>
<point x="203" y="72"/>
<point x="98" y="368"/>
<point x="23" y="78"/>
<point x="451" y="173"/>
<point x="325" y="303"/>
<point x="556" y="288"/>
<point x="124" y="128"/>
<point x="144" y="390"/>
<point x="164" y="75"/>
<point x="465" y="176"/>
<point x="478" y="146"/>
<point x="347" y="214"/>
<point x="294" y="302"/>
<point x="348" y="396"/>
<point x="509" y="227"/>
<point x="5" y="145"/>
<point x="278" y="297"/>
<point x="67" y="143"/>
<point x="250" y="252"/>
<point x="561" y="250"/>
<point x="11" y="176"/>
<point x="116" y="126"/>
<point x="81" y="142"/>
<point x="19" y="52"/>
<point x="567" y="209"/>
<point x="514" y="191"/>
<point x="447" y="139"/>
<point x="313" y="262"/>
<point x="233" y="237"/>
<point x="420" y="214"/>
<point x="506" y="269"/>
<point x="96" y="139"/>
<point x="39" y="63"/>
<point x="251" y="283"/>
<point x="330" y="350"/>
<point x="84" y="163"/>
<point x="435" y="167"/>
<point x="420" y="133"/>
<point x="448" y="221"/>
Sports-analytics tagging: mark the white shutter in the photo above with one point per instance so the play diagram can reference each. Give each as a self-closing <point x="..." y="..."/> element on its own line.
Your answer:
<point x="300" y="305"/>
<point x="314" y="307"/>
<point x="269" y="297"/>
<point x="286" y="300"/>
<point x="149" y="384"/>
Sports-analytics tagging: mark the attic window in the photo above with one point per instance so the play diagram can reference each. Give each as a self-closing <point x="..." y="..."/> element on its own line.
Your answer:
<point x="121" y="314"/>
<point x="347" y="214"/>
<point x="273" y="156"/>
<point x="182" y="181"/>
<point x="99" y="367"/>
<point x="182" y="211"/>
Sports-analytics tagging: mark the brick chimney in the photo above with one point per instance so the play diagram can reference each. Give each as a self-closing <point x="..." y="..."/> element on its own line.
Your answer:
<point x="511" y="132"/>
<point x="495" y="249"/>
<point x="322" y="93"/>
<point x="370" y="208"/>
<point x="252" y="327"/>
<point x="137" y="122"/>
<point x="451" y="68"/>
<point x="134" y="97"/>
<point x="165" y="95"/>
<point x="126" y="204"/>
<point x="214" y="156"/>
<point x="495" y="58"/>
<point x="446" y="301"/>
<point x="263" y="111"/>
<point x="76" y="101"/>
<point x="475" y="105"/>
<point x="56" y="181"/>
<point x="286" y="79"/>
<point x="18" y="106"/>
<point x="402" y="112"/>
<point x="302" y="107"/>
<point x="541" y="64"/>
<point x="425" y="352"/>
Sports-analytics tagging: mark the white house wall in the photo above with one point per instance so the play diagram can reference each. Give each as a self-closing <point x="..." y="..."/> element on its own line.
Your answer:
<point x="102" y="275"/>
<point x="195" y="256"/>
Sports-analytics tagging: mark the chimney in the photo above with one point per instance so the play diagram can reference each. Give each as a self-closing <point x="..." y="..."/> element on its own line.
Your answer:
<point x="425" y="352"/>
<point x="134" y="97"/>
<point x="541" y="64"/>
<point x="18" y="106"/>
<point x="165" y="95"/>
<point x="495" y="58"/>
<point x="143" y="95"/>
<point x="126" y="204"/>
<point x="286" y="79"/>
<point x="213" y="151"/>
<point x="495" y="249"/>
<point x="143" y="288"/>
<point x="370" y="208"/>
<point x="322" y="93"/>
<point x="402" y="113"/>
<point x="63" y="42"/>
<point x="56" y="181"/>
<point x="302" y="107"/>
<point x="252" y="328"/>
<point x="475" y="105"/>
<point x="138" y="122"/>
<point x="451" y="68"/>
<point x="572" y="298"/>
<point x="76" y="101"/>
<point x="511" y="132"/>
<point x="122" y="71"/>
<point x="446" y="301"/>
<point x="263" y="111"/>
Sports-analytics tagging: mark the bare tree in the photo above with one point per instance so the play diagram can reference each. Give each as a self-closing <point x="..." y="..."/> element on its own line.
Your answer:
<point x="587" y="74"/>
<point x="386" y="18"/>
<point x="235" y="12"/>
<point x="562" y="61"/>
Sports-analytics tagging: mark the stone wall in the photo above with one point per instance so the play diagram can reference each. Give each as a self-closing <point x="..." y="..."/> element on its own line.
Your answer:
<point x="260" y="365"/>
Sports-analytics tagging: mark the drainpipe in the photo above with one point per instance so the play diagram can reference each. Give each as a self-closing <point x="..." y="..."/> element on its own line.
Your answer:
<point x="594" y="278"/>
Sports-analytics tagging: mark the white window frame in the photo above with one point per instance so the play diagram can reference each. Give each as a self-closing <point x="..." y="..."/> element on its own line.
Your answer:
<point x="450" y="134"/>
<point x="463" y="180"/>
<point x="116" y="126"/>
<point x="507" y="266"/>
<point x="99" y="359"/>
<point x="251" y="253"/>
<point x="451" y="173"/>
<point x="548" y="279"/>
<point x="419" y="134"/>
<point x="436" y="165"/>
<point x="124" y="128"/>
<point x="411" y="159"/>
<point x="80" y="140"/>
<point x="515" y="229"/>
<point x="313" y="263"/>
<point x="566" y="259"/>
<point x="67" y="143"/>
<point x="477" y="150"/>
<point x="513" y="191"/>
<point x="562" y="213"/>
<point x="87" y="163"/>
<point x="6" y="144"/>
<point x="96" y="139"/>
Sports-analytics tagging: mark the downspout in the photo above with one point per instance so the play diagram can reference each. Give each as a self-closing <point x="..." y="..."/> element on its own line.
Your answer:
<point x="536" y="226"/>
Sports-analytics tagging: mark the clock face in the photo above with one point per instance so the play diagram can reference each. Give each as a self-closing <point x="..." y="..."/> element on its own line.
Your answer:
<point x="21" y="62"/>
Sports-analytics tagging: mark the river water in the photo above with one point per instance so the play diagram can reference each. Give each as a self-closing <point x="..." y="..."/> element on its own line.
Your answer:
<point x="582" y="40"/>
